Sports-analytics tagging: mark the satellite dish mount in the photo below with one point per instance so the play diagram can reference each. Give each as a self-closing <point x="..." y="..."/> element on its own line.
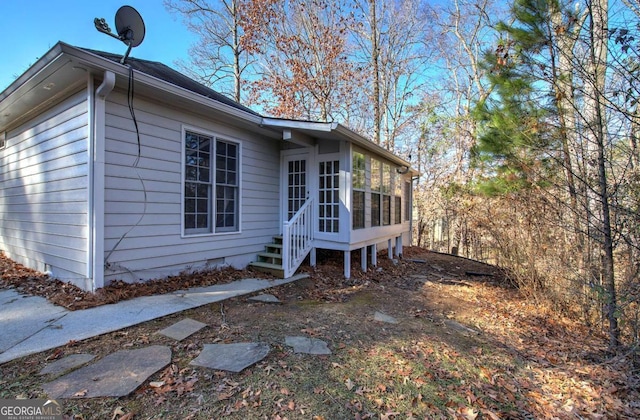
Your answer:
<point x="129" y="26"/>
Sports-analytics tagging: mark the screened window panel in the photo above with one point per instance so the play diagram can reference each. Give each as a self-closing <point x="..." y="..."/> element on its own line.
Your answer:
<point x="375" y="209"/>
<point x="407" y="201"/>
<point x="376" y="175"/>
<point x="386" y="210"/>
<point x="358" y="209"/>
<point x="358" y="171"/>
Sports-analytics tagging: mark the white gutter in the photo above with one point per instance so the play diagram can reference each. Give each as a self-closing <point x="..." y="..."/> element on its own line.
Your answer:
<point x="341" y="130"/>
<point x="95" y="266"/>
<point x="366" y="144"/>
<point x="301" y="125"/>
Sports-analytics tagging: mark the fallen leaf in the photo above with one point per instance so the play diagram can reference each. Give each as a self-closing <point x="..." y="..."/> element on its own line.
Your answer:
<point x="468" y="413"/>
<point x="349" y="384"/>
<point x="55" y="355"/>
<point x="156" y="384"/>
<point x="491" y="414"/>
<point x="117" y="412"/>
<point x="224" y="396"/>
<point x="81" y="393"/>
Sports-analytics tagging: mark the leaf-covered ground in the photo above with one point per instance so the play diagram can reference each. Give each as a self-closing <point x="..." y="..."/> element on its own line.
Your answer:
<point x="467" y="346"/>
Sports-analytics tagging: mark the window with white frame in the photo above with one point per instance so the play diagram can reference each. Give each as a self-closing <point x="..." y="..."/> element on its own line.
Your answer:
<point x="329" y="196"/>
<point x="359" y="185"/>
<point x="376" y="189"/>
<point x="211" y="184"/>
<point x="407" y="201"/>
<point x="397" y="186"/>
<point x="386" y="194"/>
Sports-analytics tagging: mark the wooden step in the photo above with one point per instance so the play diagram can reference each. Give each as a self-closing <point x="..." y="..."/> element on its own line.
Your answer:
<point x="273" y="248"/>
<point x="275" y="269"/>
<point x="270" y="257"/>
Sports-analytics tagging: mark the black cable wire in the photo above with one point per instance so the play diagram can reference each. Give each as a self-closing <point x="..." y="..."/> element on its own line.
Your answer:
<point x="130" y="94"/>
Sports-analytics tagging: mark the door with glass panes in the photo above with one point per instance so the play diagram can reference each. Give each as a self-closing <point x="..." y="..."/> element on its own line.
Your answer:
<point x="297" y="183"/>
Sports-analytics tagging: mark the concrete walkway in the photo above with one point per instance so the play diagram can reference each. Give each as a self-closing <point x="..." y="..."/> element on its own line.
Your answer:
<point x="30" y="324"/>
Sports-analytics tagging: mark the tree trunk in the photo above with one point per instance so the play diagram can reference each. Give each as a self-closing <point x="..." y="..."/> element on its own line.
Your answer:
<point x="237" y="52"/>
<point x="596" y="80"/>
<point x="375" y="68"/>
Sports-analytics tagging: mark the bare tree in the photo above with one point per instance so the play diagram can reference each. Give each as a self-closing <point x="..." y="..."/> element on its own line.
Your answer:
<point x="219" y="58"/>
<point x="596" y="132"/>
<point x="462" y="31"/>
<point x="390" y="37"/>
<point x="304" y="71"/>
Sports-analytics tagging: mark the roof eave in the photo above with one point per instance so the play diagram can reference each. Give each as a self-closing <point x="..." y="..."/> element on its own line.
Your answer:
<point x="154" y="82"/>
<point x="367" y="144"/>
<point x="342" y="132"/>
<point x="99" y="64"/>
<point x="32" y="71"/>
<point x="297" y="124"/>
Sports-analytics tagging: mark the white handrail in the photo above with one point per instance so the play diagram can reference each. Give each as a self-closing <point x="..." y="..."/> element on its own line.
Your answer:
<point x="297" y="238"/>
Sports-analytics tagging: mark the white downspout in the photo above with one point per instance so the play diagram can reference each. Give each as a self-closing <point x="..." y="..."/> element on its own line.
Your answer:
<point x="96" y="181"/>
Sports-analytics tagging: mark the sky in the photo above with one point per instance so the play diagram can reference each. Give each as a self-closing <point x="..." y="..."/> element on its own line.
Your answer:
<point x="30" y="28"/>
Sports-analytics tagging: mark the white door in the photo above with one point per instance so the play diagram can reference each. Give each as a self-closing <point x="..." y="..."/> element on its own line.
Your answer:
<point x="297" y="183"/>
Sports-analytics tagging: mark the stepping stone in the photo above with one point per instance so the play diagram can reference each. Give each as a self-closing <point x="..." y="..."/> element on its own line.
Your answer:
<point x="67" y="363"/>
<point x="115" y="375"/>
<point x="266" y="298"/>
<point x="307" y="345"/>
<point x="462" y="328"/>
<point x="382" y="317"/>
<point x="182" y="329"/>
<point x="231" y="357"/>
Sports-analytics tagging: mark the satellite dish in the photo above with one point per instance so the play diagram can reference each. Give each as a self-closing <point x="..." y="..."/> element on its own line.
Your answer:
<point x="129" y="26"/>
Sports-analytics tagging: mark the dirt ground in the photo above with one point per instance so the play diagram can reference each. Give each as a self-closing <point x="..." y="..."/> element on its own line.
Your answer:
<point x="467" y="346"/>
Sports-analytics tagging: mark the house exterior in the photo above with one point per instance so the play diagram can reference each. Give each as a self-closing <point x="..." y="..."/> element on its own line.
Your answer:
<point x="134" y="171"/>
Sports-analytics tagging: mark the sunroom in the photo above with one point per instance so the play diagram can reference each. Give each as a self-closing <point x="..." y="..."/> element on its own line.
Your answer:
<point x="339" y="192"/>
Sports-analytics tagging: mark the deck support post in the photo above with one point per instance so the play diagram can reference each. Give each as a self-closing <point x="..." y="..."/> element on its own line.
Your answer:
<point x="374" y="255"/>
<point x="399" y="246"/>
<point x="312" y="257"/>
<point x="347" y="264"/>
<point x="363" y="258"/>
<point x="389" y="249"/>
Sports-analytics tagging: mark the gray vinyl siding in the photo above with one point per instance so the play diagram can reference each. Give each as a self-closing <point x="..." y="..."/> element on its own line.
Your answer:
<point x="155" y="247"/>
<point x="43" y="191"/>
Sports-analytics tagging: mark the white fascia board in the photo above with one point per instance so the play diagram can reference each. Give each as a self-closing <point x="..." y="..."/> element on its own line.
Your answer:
<point x="32" y="71"/>
<point x="357" y="139"/>
<point x="122" y="70"/>
<point x="341" y="131"/>
<point x="300" y="125"/>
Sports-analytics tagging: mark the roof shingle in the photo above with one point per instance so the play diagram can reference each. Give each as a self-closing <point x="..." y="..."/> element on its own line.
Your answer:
<point x="169" y="75"/>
